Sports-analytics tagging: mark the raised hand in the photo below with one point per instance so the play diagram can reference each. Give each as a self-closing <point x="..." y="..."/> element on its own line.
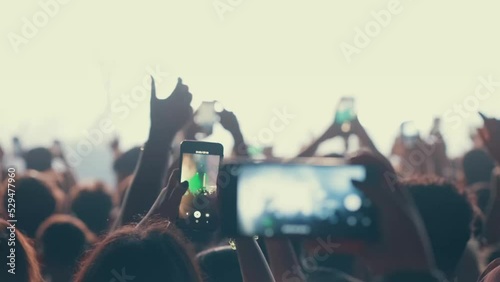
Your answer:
<point x="167" y="204"/>
<point x="167" y="117"/>
<point x="172" y="113"/>
<point x="404" y="245"/>
<point x="490" y="134"/>
<point x="229" y="121"/>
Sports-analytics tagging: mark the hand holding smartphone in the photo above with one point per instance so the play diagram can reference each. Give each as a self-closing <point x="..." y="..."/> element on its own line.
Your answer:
<point x="345" y="113"/>
<point x="409" y="133"/>
<point x="199" y="163"/>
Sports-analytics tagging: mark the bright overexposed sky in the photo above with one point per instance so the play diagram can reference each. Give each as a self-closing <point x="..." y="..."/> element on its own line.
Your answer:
<point x="253" y="56"/>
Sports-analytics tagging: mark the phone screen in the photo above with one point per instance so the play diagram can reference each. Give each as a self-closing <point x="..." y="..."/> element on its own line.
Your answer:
<point x="299" y="199"/>
<point x="409" y="129"/>
<point x="200" y="170"/>
<point x="345" y="110"/>
<point x="409" y="133"/>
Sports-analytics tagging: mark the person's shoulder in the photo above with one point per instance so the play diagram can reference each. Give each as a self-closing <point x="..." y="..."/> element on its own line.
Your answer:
<point x="491" y="273"/>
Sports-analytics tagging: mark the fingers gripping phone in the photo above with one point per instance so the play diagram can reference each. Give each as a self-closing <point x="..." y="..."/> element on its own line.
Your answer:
<point x="199" y="163"/>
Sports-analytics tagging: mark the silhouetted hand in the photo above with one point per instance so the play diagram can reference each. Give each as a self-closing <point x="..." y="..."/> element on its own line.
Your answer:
<point x="404" y="245"/>
<point x="56" y="150"/>
<point x="490" y="134"/>
<point x="167" y="204"/>
<point x="172" y="113"/>
<point x="115" y="144"/>
<point x="229" y="121"/>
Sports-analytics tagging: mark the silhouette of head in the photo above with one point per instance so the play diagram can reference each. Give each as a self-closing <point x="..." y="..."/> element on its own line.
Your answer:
<point x="35" y="202"/>
<point x="39" y="159"/>
<point x="154" y="252"/>
<point x="92" y="203"/>
<point x="61" y="240"/>
<point x="25" y="264"/>
<point x="447" y="216"/>
<point x="478" y="166"/>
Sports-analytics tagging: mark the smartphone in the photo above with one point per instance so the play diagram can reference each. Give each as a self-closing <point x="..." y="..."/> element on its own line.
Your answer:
<point x="295" y="199"/>
<point x="436" y="126"/>
<point x="18" y="148"/>
<point x="206" y="116"/>
<point x="199" y="163"/>
<point x="409" y="133"/>
<point x="345" y="111"/>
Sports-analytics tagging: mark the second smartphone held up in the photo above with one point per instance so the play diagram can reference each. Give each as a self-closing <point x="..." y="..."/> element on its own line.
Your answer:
<point x="276" y="199"/>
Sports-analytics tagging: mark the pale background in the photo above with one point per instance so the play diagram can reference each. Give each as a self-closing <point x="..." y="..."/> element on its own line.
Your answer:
<point x="263" y="55"/>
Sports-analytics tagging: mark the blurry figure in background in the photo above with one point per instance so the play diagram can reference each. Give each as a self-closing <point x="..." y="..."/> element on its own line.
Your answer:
<point x="124" y="167"/>
<point x="92" y="203"/>
<point x="121" y="190"/>
<point x="477" y="142"/>
<point x="154" y="252"/>
<point x="411" y="155"/>
<point x="41" y="159"/>
<point x="334" y="131"/>
<point x="62" y="167"/>
<point x="61" y="240"/>
<point x="230" y="123"/>
<point x="441" y="162"/>
<point x="447" y="216"/>
<point x="477" y="167"/>
<point x="490" y="136"/>
<point x="3" y="168"/>
<point x="36" y="200"/>
<point x="15" y="157"/>
<point x="115" y="147"/>
<point x="126" y="163"/>
<point x="26" y="265"/>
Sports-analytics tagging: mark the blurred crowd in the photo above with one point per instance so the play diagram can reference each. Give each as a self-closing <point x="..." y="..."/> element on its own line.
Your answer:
<point x="439" y="217"/>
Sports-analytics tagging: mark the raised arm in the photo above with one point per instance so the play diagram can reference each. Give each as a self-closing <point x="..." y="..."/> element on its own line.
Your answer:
<point x="490" y="134"/>
<point x="364" y="138"/>
<point x="69" y="177"/>
<point x="333" y="131"/>
<point x="253" y="264"/>
<point x="284" y="261"/>
<point x="167" y="117"/>
<point x="166" y="205"/>
<point x="403" y="252"/>
<point x="229" y="121"/>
